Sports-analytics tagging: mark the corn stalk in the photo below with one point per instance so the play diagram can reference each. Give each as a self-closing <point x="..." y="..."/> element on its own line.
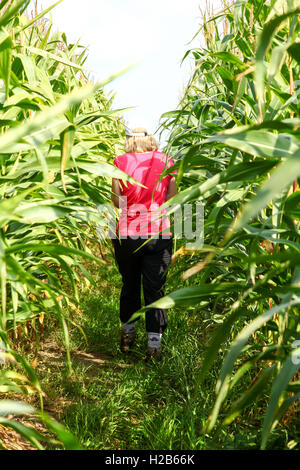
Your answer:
<point x="235" y="138"/>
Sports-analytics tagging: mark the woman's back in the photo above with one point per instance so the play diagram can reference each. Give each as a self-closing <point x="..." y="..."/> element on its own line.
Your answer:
<point x="146" y="168"/>
<point x="139" y="216"/>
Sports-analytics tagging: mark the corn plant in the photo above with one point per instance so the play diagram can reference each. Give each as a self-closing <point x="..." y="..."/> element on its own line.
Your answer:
<point x="58" y="136"/>
<point x="235" y="139"/>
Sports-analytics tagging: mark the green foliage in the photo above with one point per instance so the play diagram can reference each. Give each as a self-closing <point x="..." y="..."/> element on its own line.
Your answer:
<point x="58" y="136"/>
<point x="235" y="138"/>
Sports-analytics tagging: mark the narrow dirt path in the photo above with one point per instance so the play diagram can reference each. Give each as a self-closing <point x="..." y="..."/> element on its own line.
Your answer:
<point x="51" y="355"/>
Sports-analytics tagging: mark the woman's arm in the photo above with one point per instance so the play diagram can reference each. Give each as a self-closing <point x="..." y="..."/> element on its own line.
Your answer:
<point x="171" y="190"/>
<point x="116" y="192"/>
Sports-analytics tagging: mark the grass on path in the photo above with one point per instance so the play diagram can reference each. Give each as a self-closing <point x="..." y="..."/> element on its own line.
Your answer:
<point x="116" y="401"/>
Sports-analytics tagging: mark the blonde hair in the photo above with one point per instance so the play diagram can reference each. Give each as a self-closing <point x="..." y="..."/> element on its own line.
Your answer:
<point x="140" y="144"/>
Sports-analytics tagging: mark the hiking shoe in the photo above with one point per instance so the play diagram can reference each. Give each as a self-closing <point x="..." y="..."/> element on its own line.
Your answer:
<point x="127" y="342"/>
<point x="154" y="354"/>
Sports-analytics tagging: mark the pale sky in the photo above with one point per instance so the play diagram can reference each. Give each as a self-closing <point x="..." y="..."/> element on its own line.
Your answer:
<point x="153" y="33"/>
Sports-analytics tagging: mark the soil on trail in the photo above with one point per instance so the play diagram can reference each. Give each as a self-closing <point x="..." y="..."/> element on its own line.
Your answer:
<point x="51" y="354"/>
<point x="11" y="440"/>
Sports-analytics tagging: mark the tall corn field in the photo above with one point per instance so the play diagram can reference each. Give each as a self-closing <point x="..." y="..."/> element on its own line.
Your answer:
<point x="58" y="136"/>
<point x="235" y="138"/>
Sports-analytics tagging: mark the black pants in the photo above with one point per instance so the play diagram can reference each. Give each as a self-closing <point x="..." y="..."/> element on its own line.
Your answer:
<point x="148" y="265"/>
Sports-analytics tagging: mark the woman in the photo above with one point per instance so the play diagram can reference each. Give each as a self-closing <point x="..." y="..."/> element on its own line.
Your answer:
<point x="143" y="248"/>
